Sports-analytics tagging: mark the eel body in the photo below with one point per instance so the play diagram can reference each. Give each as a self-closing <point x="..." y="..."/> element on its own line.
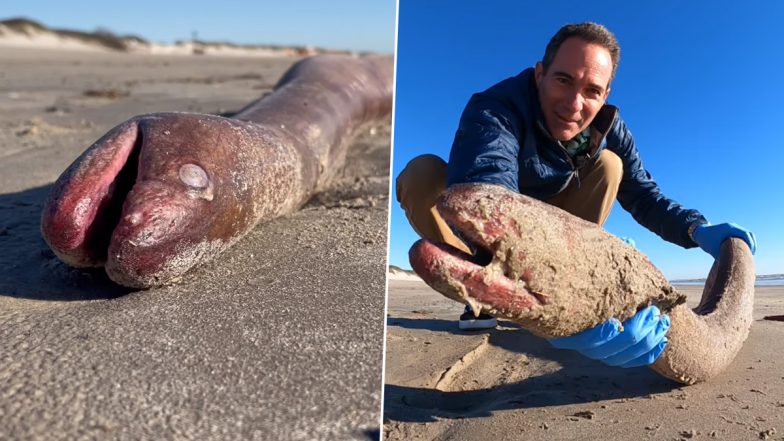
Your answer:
<point x="556" y="275"/>
<point x="164" y="192"/>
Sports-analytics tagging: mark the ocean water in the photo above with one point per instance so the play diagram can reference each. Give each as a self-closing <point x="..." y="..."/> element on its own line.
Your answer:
<point x="769" y="282"/>
<point x="764" y="282"/>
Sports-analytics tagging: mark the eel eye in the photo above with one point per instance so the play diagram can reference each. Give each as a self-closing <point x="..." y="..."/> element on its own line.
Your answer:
<point x="194" y="176"/>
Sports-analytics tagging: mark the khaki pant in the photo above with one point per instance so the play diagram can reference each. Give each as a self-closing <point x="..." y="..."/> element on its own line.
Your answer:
<point x="424" y="179"/>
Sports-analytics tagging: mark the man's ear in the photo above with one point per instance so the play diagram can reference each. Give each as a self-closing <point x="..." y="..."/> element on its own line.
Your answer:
<point x="538" y="73"/>
<point x="606" y="93"/>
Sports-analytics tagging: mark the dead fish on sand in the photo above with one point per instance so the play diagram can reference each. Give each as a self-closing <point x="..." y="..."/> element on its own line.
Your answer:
<point x="557" y="275"/>
<point x="163" y="192"/>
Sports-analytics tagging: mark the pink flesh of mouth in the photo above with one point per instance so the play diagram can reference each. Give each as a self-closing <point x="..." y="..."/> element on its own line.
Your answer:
<point x="440" y="262"/>
<point x="87" y="204"/>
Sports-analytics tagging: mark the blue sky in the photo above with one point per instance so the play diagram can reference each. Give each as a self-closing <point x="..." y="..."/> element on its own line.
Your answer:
<point x="339" y="24"/>
<point x="698" y="85"/>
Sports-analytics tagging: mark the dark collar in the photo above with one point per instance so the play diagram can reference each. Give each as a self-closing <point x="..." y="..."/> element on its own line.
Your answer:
<point x="601" y="126"/>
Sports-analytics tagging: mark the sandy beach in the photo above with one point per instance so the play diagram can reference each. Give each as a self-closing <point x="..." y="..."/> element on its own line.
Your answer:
<point x="506" y="384"/>
<point x="279" y="338"/>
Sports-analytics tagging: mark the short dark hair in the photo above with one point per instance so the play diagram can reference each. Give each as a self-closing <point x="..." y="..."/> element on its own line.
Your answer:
<point x="589" y="32"/>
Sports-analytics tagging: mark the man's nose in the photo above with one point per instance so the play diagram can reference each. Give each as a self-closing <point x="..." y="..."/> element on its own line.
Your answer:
<point x="574" y="102"/>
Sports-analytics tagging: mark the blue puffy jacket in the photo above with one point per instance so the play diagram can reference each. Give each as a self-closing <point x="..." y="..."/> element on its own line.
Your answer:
<point x="502" y="139"/>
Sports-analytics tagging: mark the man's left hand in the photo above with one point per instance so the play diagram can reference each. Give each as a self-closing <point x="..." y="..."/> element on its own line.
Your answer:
<point x="710" y="237"/>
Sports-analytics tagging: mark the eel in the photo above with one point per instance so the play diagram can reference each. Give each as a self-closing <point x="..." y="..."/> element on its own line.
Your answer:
<point x="556" y="275"/>
<point x="164" y="192"/>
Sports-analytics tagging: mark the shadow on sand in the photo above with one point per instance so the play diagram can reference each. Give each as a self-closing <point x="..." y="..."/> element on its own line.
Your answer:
<point x="580" y="380"/>
<point x="29" y="269"/>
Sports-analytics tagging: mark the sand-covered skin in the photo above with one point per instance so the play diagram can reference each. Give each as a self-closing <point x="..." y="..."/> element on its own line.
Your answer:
<point x="506" y="384"/>
<point x="250" y="346"/>
<point x="552" y="272"/>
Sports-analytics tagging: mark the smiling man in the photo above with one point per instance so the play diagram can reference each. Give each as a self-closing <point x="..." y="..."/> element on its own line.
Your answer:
<point x="549" y="133"/>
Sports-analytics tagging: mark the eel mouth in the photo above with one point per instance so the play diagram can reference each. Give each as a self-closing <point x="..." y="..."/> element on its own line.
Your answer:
<point x="483" y="279"/>
<point x="87" y="200"/>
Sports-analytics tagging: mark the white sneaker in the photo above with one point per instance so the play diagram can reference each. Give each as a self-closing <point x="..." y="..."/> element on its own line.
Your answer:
<point x="468" y="322"/>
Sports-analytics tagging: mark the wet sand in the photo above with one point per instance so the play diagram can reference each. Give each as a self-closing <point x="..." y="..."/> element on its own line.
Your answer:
<point x="506" y="384"/>
<point x="279" y="338"/>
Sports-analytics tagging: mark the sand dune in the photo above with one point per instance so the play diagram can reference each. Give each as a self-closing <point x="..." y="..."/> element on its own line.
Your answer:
<point x="29" y="34"/>
<point x="396" y="273"/>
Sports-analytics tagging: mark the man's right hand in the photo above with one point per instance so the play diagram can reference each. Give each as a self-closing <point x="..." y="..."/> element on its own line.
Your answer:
<point x="638" y="342"/>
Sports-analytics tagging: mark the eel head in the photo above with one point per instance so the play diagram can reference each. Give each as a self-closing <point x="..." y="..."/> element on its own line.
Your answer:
<point x="143" y="198"/>
<point x="551" y="272"/>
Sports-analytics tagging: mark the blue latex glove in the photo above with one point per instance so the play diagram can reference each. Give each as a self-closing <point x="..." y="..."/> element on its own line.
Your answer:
<point x="629" y="241"/>
<point x="710" y="237"/>
<point x="640" y="343"/>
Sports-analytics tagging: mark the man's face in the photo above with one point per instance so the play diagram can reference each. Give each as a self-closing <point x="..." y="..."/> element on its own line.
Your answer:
<point x="574" y="87"/>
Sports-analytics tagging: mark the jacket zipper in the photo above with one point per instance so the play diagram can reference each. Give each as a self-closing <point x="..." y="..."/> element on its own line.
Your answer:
<point x="574" y="173"/>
